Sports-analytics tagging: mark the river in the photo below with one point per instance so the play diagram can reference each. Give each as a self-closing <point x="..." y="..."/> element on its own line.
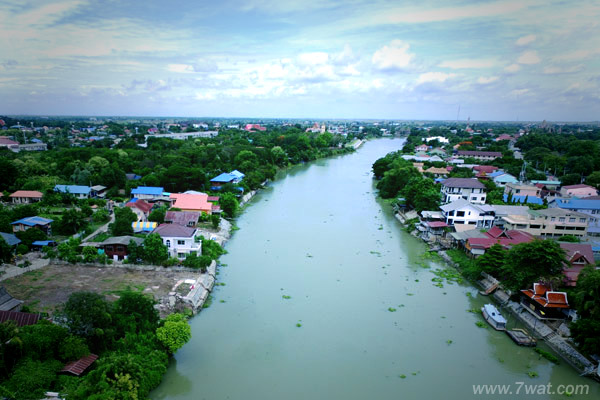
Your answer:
<point x="319" y="235"/>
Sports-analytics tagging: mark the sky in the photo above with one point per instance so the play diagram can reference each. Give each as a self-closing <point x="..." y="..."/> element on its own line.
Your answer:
<point x="527" y="60"/>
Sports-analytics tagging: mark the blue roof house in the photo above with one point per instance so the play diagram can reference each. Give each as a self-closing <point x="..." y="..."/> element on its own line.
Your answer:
<point x="233" y="177"/>
<point x="583" y="205"/>
<point x="148" y="192"/>
<point x="33" y="222"/>
<point x="501" y="178"/>
<point x="10" y="239"/>
<point x="80" y="192"/>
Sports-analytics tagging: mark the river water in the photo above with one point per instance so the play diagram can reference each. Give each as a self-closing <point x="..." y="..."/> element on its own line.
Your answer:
<point x="319" y="235"/>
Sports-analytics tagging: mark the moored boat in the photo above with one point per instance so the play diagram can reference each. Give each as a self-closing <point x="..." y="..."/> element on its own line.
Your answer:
<point x="493" y="317"/>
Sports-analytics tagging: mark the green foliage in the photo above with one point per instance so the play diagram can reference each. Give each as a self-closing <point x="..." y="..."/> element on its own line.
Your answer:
<point x="89" y="254"/>
<point x="31" y="235"/>
<point x="211" y="249"/>
<point x="527" y="263"/>
<point x="88" y="315"/>
<point x="422" y="194"/>
<point x="229" y="204"/>
<point x="200" y="262"/>
<point x="69" y="250"/>
<point x="31" y="379"/>
<point x="155" y="251"/>
<point x="71" y="222"/>
<point x="6" y="252"/>
<point x="134" y="312"/>
<point x="492" y="261"/>
<point x="124" y="217"/>
<point x="585" y="333"/>
<point x="547" y="355"/>
<point x="174" y="333"/>
<point x="215" y="220"/>
<point x="587" y="293"/>
<point x="570" y="239"/>
<point x="158" y="215"/>
<point x="101" y="215"/>
<point x="73" y="348"/>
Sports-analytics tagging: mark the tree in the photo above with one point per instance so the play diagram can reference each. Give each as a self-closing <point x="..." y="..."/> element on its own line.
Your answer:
<point x="71" y="222"/>
<point x="101" y="215"/>
<point x="229" y="204"/>
<point x="88" y="314"/>
<point x="155" y="251"/>
<point x="422" y="194"/>
<point x="6" y="252"/>
<point x="73" y="348"/>
<point x="174" y="333"/>
<point x="31" y="235"/>
<point x="134" y="312"/>
<point x="215" y="220"/>
<point x="492" y="260"/>
<point x="158" y="215"/>
<point x="587" y="293"/>
<point x="124" y="217"/>
<point x="527" y="263"/>
<point x="89" y="254"/>
<point x="31" y="379"/>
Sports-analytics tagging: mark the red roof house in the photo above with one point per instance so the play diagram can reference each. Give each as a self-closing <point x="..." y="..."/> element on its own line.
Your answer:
<point x="544" y="303"/>
<point x="579" y="256"/>
<point x="78" y="367"/>
<point x="505" y="238"/>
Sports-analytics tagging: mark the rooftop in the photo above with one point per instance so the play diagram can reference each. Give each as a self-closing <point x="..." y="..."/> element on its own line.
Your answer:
<point x="78" y="367"/>
<point x="33" y="221"/>
<point x="174" y="230"/>
<point x="148" y="190"/>
<point x="463" y="183"/>
<point x="20" y="318"/>
<point x="74" y="189"/>
<point x="27" y="193"/>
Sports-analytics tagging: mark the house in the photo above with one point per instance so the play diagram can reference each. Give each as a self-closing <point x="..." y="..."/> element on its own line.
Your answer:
<point x="80" y="192"/>
<point x="21" y="319"/>
<point x="421" y="147"/>
<point x="33" y="147"/>
<point x="40" y="223"/>
<point x="485" y="169"/>
<point x="585" y="205"/>
<point x="9" y="144"/>
<point x="234" y="177"/>
<point x="8" y="304"/>
<point x="549" y="184"/>
<point x="544" y="303"/>
<point x="254" y="127"/>
<point x="151" y="193"/>
<point x="183" y="218"/>
<point x="116" y="247"/>
<point x="180" y="240"/>
<point x="579" y="255"/>
<point x="505" y="211"/>
<point x="519" y="193"/>
<point x="465" y="215"/>
<point x="504" y="136"/>
<point x="98" y="191"/>
<point x="418" y="166"/>
<point x="578" y="191"/>
<point x="431" y="229"/>
<point x="496" y="235"/>
<point x="192" y="202"/>
<point x="39" y="245"/>
<point x="133" y="177"/>
<point x="479" y="155"/>
<point x="463" y="188"/>
<point x="549" y="223"/>
<point x="78" y="367"/>
<point x="141" y="208"/>
<point x="501" y="178"/>
<point x="437" y="172"/>
<point x="10" y="240"/>
<point x="26" y="196"/>
<point x="438" y="151"/>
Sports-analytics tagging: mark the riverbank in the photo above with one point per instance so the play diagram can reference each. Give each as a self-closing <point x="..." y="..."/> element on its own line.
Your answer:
<point x="552" y="336"/>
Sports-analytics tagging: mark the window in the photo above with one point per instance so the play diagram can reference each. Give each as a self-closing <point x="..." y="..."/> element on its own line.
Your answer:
<point x="460" y="213"/>
<point x="594" y="211"/>
<point x="582" y="220"/>
<point x="472" y="222"/>
<point x="120" y="248"/>
<point x="109" y="248"/>
<point x="168" y="244"/>
<point x="561" y="219"/>
<point x="572" y="219"/>
<point x="458" y="222"/>
<point x="518" y="191"/>
<point x="180" y="255"/>
<point x="553" y="219"/>
<point x="451" y="213"/>
<point x="535" y="226"/>
<point x="181" y="242"/>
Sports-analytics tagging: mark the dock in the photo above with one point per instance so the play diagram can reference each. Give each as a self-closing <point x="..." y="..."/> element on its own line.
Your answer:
<point x="521" y="337"/>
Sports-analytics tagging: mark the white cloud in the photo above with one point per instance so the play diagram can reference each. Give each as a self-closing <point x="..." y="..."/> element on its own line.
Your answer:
<point x="316" y="58"/>
<point x="529" y="58"/>
<point x="554" y="69"/>
<point x="434" y="77"/>
<point x="468" y="63"/>
<point x="512" y="68"/>
<point x="180" y="68"/>
<point x="484" y="80"/>
<point x="519" y="92"/>
<point x="523" y="40"/>
<point x="410" y="16"/>
<point x="396" y="56"/>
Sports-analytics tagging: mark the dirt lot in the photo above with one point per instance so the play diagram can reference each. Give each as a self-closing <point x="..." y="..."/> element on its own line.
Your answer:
<point x="49" y="287"/>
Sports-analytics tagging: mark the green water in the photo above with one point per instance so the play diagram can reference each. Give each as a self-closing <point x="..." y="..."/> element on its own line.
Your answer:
<point x="319" y="235"/>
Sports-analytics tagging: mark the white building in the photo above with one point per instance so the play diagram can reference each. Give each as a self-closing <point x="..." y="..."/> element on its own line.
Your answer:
<point x="463" y="188"/>
<point x="180" y="240"/>
<point x="467" y="215"/>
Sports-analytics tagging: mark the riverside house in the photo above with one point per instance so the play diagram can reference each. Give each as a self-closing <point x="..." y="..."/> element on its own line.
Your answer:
<point x="117" y="247"/>
<point x="464" y="215"/>
<point x="579" y="255"/>
<point x="463" y="188"/>
<point x="180" y="240"/>
<point x="544" y="303"/>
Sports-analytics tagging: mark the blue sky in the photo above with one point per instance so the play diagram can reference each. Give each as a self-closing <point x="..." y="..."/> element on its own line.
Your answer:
<point x="498" y="60"/>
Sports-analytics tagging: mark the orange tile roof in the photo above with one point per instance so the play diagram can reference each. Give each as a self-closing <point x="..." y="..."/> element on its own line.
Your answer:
<point x="191" y="202"/>
<point x="27" y="193"/>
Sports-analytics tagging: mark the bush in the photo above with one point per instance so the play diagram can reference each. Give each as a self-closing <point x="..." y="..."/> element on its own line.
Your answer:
<point x="22" y="249"/>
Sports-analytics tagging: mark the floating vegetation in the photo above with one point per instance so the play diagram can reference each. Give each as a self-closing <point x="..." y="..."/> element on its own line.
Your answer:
<point x="469" y="294"/>
<point x="208" y="302"/>
<point x="400" y="305"/>
<point x="501" y="360"/>
<point x="473" y="310"/>
<point x="391" y="309"/>
<point x="448" y="274"/>
<point x="220" y="284"/>
<point x="481" y="324"/>
<point x="532" y="374"/>
<point x="410" y="294"/>
<point x="547" y="355"/>
<point x="378" y="254"/>
<point x="308" y="255"/>
<point x="449" y="341"/>
<point x="416" y="280"/>
<point x="221" y="301"/>
<point x="380" y="228"/>
<point x="415" y="373"/>
<point x="443" y="317"/>
<point x="223" y="265"/>
<point x="286" y="297"/>
<point x="298" y="325"/>
<point x="402" y="376"/>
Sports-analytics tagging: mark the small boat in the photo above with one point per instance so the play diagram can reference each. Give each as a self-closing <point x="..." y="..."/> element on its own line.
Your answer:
<point x="493" y="317"/>
<point x="521" y="337"/>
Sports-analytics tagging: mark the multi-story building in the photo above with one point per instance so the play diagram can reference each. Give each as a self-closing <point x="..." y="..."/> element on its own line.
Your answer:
<point x="463" y="188"/>
<point x="479" y="155"/>
<point x="585" y="206"/>
<point x="552" y="222"/>
<point x="462" y="212"/>
<point x="180" y="240"/>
